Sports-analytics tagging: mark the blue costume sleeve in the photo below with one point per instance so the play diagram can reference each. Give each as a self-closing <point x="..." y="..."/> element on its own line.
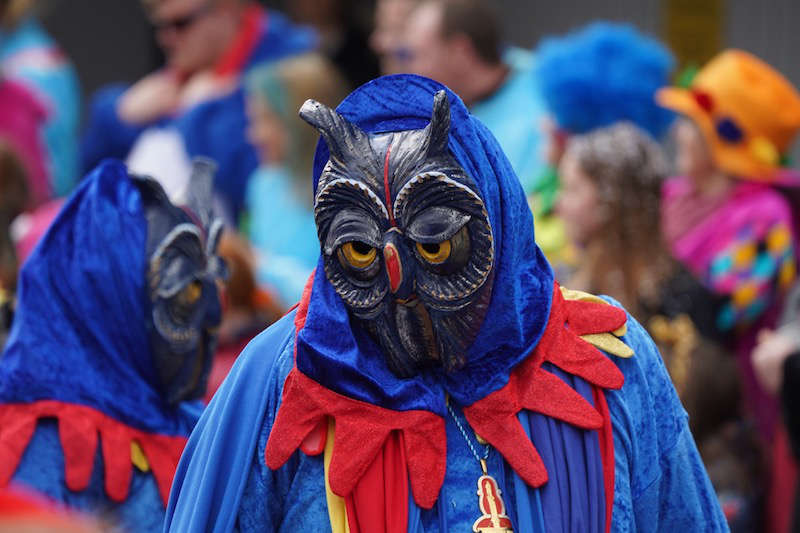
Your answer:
<point x="106" y="135"/>
<point x="660" y="482"/>
<point x="287" y="499"/>
<point x="213" y="471"/>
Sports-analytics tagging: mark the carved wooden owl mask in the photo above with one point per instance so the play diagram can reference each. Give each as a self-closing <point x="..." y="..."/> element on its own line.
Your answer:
<point x="405" y="236"/>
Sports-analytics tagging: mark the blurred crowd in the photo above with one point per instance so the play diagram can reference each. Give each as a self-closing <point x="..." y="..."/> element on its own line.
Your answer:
<point x="670" y="191"/>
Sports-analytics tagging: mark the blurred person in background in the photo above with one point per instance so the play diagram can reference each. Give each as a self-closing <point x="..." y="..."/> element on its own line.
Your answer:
<point x="247" y="308"/>
<point x="13" y="199"/>
<point x="194" y="106"/>
<point x="609" y="201"/>
<point x="23" y="180"/>
<point x="592" y="77"/>
<point x="343" y="36"/>
<point x="30" y="57"/>
<point x="22" y="119"/>
<point x="460" y="44"/>
<point x="722" y="218"/>
<point x="776" y="360"/>
<point x="110" y="347"/>
<point x="279" y="199"/>
<point x="388" y="35"/>
<point x="726" y="221"/>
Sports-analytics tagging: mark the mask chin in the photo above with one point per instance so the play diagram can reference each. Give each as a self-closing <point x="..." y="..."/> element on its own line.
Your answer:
<point x="183" y="376"/>
<point x="415" y="330"/>
<point x="182" y="352"/>
<point x="416" y="338"/>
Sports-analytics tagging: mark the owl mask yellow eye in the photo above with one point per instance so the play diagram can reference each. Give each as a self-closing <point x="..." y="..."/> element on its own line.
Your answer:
<point x="435" y="253"/>
<point x="191" y="293"/>
<point x="357" y="254"/>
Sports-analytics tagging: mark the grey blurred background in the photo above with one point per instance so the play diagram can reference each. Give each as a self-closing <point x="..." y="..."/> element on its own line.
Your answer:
<point x="111" y="40"/>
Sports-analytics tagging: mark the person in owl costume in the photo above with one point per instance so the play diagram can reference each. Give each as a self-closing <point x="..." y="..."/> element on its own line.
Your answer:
<point x="434" y="376"/>
<point x="111" y="346"/>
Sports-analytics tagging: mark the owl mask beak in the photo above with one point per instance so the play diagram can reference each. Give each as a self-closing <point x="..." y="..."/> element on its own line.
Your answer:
<point x="394" y="266"/>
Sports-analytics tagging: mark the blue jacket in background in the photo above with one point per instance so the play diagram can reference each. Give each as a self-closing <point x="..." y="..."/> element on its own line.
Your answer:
<point x="214" y="128"/>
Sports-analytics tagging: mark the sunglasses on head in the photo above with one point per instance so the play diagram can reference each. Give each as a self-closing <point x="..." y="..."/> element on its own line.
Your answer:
<point x="179" y="24"/>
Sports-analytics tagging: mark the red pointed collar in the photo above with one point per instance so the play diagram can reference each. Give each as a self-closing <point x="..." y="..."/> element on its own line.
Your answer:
<point x="362" y="428"/>
<point x="78" y="428"/>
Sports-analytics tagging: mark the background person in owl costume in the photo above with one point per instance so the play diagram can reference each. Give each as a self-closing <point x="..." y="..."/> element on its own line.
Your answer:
<point x="111" y="346"/>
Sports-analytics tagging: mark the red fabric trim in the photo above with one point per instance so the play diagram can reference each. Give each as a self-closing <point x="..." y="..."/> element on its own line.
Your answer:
<point x="379" y="501"/>
<point x="314" y="443"/>
<point x="361" y="431"/>
<point x="606" y="437"/>
<point x="78" y="429"/>
<point x="352" y="514"/>
<point x="364" y="452"/>
<point x="531" y="387"/>
<point x="237" y="54"/>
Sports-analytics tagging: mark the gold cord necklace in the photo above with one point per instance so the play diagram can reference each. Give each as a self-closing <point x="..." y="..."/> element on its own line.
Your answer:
<point x="493" y="518"/>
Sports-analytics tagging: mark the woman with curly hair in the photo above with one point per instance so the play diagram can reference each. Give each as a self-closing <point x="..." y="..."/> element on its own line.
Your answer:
<point x="591" y="78"/>
<point x="610" y="203"/>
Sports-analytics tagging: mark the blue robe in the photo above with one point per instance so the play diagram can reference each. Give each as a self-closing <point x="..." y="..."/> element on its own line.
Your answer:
<point x="223" y="483"/>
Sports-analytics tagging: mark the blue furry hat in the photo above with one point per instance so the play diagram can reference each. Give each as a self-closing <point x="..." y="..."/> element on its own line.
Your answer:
<point x="604" y="73"/>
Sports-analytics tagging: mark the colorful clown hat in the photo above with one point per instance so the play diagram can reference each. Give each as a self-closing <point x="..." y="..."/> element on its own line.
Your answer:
<point x="748" y="113"/>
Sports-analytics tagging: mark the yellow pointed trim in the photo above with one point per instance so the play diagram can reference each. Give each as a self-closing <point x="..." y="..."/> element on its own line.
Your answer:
<point x="138" y="458"/>
<point x="608" y="342"/>
<point x="570" y="294"/>
<point x="337" y="512"/>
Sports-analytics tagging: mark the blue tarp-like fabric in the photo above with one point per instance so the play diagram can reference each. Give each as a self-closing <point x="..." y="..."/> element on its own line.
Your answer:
<point x="350" y="362"/>
<point x="79" y="335"/>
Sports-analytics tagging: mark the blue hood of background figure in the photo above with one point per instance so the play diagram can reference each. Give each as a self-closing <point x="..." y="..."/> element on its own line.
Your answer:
<point x="79" y="334"/>
<point x="340" y="355"/>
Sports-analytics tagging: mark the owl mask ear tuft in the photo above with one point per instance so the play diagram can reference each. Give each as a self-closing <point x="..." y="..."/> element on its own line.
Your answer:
<point x="438" y="131"/>
<point x="344" y="139"/>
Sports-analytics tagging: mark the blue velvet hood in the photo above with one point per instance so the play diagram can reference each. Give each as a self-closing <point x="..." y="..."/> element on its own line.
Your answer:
<point x="340" y="355"/>
<point x="79" y="334"/>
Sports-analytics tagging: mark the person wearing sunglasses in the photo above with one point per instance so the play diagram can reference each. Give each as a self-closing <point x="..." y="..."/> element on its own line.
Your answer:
<point x="193" y="105"/>
<point x="460" y="43"/>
